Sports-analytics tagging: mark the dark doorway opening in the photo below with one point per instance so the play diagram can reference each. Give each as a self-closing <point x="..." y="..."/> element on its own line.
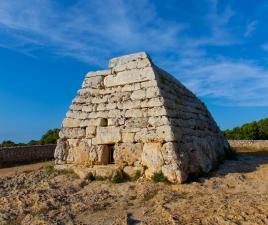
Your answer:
<point x="111" y="154"/>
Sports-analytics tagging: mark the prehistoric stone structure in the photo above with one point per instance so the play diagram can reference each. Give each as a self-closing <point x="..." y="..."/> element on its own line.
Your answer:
<point x="138" y="117"/>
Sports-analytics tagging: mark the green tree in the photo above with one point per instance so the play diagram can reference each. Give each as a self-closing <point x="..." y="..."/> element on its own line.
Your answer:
<point x="8" y="143"/>
<point x="263" y="129"/>
<point x="33" y="142"/>
<point x="249" y="131"/>
<point x="50" y="137"/>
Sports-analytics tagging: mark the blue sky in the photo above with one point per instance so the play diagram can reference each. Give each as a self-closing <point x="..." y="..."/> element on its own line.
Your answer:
<point x="217" y="48"/>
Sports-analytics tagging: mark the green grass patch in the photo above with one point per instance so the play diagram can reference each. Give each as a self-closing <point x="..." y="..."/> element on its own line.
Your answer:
<point x="159" y="177"/>
<point x="50" y="169"/>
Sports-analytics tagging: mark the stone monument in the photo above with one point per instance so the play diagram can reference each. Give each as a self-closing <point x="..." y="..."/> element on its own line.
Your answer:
<point x="137" y="117"/>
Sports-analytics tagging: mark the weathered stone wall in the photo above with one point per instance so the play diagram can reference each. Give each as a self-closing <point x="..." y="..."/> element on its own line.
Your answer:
<point x="25" y="154"/>
<point x="152" y="120"/>
<point x="249" y="145"/>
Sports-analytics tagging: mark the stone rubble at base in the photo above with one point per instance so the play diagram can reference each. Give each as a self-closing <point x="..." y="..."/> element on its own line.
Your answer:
<point x="152" y="121"/>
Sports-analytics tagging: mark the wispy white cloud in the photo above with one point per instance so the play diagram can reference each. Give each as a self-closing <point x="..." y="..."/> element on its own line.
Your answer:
<point x="250" y="28"/>
<point x="93" y="31"/>
<point x="265" y="47"/>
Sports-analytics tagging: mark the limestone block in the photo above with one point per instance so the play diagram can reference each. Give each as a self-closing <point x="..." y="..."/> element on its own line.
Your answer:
<point x="158" y="121"/>
<point x="157" y="111"/>
<point x="119" y="68"/>
<point x="93" y="82"/>
<point x="81" y="115"/>
<point x="153" y="102"/>
<point x="134" y="113"/>
<point x="87" y="108"/>
<point x="73" y="143"/>
<point x="148" y="73"/>
<point x="131" y="87"/>
<point x="119" y="97"/>
<point x="108" y="106"/>
<point x="68" y="122"/>
<point x="83" y="153"/>
<point x="143" y="63"/>
<point x="131" y="129"/>
<point x="80" y="100"/>
<point x="129" y="104"/>
<point x="152" y="92"/>
<point x="140" y="122"/>
<point x="108" y="91"/>
<point x="128" y="136"/>
<point x="127" y="153"/>
<point x="94" y="122"/>
<point x="132" y="65"/>
<point x="127" y="58"/>
<point x="145" y="135"/>
<point x="152" y="157"/>
<point x="76" y="107"/>
<point x="100" y="114"/>
<point x="90" y="131"/>
<point x="150" y="83"/>
<point x="139" y="94"/>
<point x="98" y="100"/>
<point x="115" y="113"/>
<point x="73" y="132"/>
<point x="169" y="133"/>
<point x="99" y="73"/>
<point x="171" y="152"/>
<point x="71" y="114"/>
<point x="107" y="135"/>
<point x="173" y="173"/>
<point x="128" y="77"/>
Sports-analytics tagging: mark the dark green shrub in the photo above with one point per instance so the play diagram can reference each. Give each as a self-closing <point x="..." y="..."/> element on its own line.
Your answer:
<point x="50" y="137"/>
<point x="159" y="177"/>
<point x="117" y="178"/>
<point x="90" y="177"/>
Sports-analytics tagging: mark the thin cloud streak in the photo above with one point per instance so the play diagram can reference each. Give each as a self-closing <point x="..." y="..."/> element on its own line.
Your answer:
<point x="91" y="32"/>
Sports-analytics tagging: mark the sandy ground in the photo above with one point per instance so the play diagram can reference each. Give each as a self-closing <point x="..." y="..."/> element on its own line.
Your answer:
<point x="237" y="193"/>
<point x="9" y="171"/>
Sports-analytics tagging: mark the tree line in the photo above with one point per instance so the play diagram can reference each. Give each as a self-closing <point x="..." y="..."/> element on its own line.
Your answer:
<point x="256" y="130"/>
<point x="50" y="137"/>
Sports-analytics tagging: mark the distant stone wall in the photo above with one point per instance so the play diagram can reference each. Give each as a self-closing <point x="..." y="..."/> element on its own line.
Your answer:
<point x="249" y="145"/>
<point x="26" y="154"/>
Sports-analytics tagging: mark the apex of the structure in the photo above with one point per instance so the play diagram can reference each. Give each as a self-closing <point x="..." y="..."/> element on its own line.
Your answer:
<point x="127" y="58"/>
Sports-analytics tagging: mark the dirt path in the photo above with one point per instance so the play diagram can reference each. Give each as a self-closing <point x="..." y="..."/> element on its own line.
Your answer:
<point x="10" y="171"/>
<point x="237" y="193"/>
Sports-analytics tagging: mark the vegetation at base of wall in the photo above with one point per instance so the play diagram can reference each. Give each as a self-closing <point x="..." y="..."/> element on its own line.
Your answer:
<point x="137" y="175"/>
<point x="118" y="178"/>
<point x="249" y="131"/>
<point x="49" y="137"/>
<point x="159" y="177"/>
<point x="50" y="169"/>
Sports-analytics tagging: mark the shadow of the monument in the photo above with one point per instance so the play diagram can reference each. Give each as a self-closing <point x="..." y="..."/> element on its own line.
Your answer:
<point x="246" y="162"/>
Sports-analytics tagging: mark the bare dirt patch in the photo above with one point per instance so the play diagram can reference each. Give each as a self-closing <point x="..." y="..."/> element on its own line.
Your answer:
<point x="237" y="193"/>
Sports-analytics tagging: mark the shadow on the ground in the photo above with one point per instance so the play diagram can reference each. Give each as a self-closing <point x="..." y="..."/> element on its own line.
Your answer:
<point x="246" y="162"/>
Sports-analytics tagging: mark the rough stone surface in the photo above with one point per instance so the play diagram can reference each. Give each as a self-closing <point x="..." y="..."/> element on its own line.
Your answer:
<point x="137" y="115"/>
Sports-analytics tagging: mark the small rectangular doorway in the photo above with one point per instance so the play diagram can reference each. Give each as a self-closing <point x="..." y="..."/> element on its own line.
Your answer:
<point x="111" y="154"/>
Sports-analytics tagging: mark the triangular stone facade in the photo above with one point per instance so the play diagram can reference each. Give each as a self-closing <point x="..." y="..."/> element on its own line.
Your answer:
<point x="138" y="117"/>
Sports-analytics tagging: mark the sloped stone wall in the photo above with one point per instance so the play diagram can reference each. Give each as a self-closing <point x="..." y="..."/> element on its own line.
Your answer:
<point x="26" y="154"/>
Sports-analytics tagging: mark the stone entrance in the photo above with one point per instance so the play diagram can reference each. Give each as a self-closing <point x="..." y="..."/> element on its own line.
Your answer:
<point x="111" y="154"/>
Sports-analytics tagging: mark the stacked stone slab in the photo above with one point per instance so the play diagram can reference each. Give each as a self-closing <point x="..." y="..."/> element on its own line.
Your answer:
<point x="150" y="119"/>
